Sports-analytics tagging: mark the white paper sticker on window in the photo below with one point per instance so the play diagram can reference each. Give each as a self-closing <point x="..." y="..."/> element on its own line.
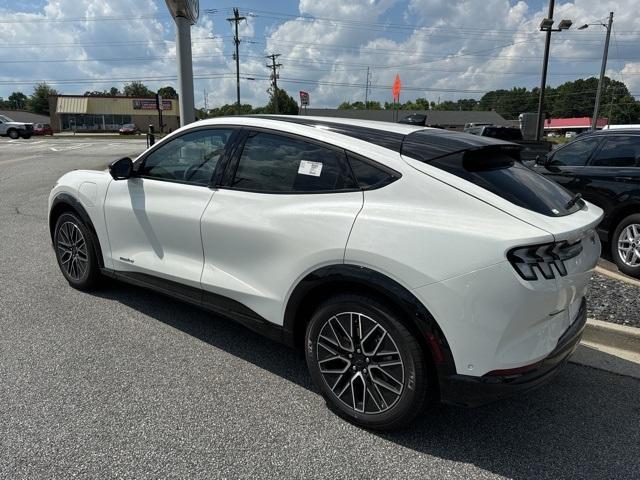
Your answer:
<point x="310" y="168"/>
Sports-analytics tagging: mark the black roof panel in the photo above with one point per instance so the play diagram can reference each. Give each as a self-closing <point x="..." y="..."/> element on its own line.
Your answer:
<point x="425" y="145"/>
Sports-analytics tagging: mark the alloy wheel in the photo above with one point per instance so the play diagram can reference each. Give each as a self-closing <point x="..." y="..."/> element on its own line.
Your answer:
<point x="360" y="362"/>
<point x="629" y="245"/>
<point x="72" y="249"/>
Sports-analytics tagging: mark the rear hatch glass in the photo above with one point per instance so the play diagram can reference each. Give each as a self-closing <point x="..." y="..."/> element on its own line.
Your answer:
<point x="495" y="166"/>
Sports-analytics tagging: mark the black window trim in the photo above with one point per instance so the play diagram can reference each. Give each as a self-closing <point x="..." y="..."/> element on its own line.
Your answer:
<point x="228" y="149"/>
<point x="234" y="159"/>
<point x="602" y="143"/>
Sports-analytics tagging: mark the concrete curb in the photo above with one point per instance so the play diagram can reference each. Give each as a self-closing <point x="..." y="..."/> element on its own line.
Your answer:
<point x="612" y="335"/>
<point x="617" y="276"/>
<point x="610" y="347"/>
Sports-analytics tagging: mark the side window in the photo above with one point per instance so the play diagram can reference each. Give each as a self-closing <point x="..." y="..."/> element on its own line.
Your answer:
<point x="189" y="158"/>
<point x="618" y="151"/>
<point x="275" y="163"/>
<point x="575" y="154"/>
<point x="368" y="175"/>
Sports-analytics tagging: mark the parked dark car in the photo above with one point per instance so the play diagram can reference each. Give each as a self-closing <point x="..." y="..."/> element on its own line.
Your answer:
<point x="511" y="134"/>
<point x="129" y="129"/>
<point x="604" y="167"/>
<point x="42" y="129"/>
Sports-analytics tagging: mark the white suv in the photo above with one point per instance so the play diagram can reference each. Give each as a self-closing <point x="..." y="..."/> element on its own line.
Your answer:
<point x="409" y="263"/>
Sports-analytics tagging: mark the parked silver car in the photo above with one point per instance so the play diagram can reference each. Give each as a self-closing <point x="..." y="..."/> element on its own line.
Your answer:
<point x="13" y="129"/>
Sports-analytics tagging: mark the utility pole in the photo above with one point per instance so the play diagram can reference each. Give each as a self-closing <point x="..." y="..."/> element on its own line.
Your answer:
<point x="274" y="77"/>
<point x="366" y="91"/>
<point x="204" y="94"/>
<point x="543" y="80"/>
<point x="594" y="122"/>
<point x="547" y="26"/>
<point x="236" y="40"/>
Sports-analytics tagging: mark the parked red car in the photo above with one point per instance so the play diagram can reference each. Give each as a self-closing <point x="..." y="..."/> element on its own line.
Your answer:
<point x="42" y="129"/>
<point x="128" y="129"/>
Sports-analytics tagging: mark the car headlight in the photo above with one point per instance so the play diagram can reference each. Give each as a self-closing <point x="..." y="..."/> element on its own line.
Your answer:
<point x="547" y="259"/>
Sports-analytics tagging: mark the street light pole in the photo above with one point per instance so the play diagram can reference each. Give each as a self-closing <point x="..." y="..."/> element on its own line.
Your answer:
<point x="594" y="122"/>
<point x="545" y="64"/>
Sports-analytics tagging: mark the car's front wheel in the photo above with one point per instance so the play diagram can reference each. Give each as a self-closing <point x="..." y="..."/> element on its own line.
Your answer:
<point x="75" y="252"/>
<point x="13" y="134"/>
<point x="625" y="245"/>
<point x="369" y="367"/>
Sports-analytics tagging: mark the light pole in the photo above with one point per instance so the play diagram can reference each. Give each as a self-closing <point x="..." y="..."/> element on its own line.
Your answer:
<point x="547" y="26"/>
<point x="185" y="13"/>
<point x="605" y="55"/>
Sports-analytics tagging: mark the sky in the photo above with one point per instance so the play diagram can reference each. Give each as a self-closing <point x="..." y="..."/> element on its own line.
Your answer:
<point x="442" y="49"/>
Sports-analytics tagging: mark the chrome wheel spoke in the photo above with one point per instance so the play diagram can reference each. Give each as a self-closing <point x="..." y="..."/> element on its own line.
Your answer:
<point x="360" y="362"/>
<point x="629" y="245"/>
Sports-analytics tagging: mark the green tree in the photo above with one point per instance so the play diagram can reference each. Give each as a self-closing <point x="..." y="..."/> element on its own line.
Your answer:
<point x="168" y="92"/>
<point x="230" y="109"/>
<point x="286" y="104"/>
<point x="39" y="101"/>
<point x="344" y="106"/>
<point x="17" y="101"/>
<point x="114" y="92"/>
<point x="137" y="89"/>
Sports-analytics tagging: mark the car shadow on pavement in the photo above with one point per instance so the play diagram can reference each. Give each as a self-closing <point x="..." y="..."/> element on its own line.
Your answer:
<point x="584" y="424"/>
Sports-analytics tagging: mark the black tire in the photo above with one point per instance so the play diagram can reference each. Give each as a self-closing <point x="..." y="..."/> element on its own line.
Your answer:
<point x="75" y="252"/>
<point x="380" y="408"/>
<point x="13" y="134"/>
<point x="620" y="234"/>
<point x="26" y="136"/>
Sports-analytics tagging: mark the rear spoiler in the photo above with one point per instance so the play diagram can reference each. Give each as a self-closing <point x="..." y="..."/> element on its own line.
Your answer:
<point x="430" y="144"/>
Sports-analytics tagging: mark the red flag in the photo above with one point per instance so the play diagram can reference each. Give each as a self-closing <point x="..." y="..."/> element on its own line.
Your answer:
<point x="397" y="85"/>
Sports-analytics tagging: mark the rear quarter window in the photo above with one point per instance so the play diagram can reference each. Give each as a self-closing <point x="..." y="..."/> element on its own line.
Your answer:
<point x="506" y="177"/>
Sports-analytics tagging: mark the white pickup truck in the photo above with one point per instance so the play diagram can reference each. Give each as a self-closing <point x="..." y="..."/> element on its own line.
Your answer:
<point x="13" y="129"/>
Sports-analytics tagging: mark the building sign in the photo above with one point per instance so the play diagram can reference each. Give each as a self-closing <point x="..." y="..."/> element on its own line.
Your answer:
<point x="304" y="98"/>
<point x="151" y="104"/>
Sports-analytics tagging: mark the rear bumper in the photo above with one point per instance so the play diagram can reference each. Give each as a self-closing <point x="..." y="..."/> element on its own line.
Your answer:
<point x="471" y="391"/>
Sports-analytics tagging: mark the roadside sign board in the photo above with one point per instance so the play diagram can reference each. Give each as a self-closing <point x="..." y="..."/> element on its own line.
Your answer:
<point x="150" y="104"/>
<point x="304" y="98"/>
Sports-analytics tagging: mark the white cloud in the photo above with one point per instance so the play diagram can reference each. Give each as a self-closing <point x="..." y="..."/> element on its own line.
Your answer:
<point x="466" y="46"/>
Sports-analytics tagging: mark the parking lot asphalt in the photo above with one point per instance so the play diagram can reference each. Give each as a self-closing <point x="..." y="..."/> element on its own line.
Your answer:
<point x="126" y="383"/>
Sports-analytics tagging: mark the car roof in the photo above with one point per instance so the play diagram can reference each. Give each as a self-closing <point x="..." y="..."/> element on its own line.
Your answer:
<point x="616" y="131"/>
<point x="421" y="143"/>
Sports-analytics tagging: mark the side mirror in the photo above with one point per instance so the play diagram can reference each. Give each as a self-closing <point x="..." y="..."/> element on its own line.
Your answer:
<point x="542" y="159"/>
<point x="121" y="169"/>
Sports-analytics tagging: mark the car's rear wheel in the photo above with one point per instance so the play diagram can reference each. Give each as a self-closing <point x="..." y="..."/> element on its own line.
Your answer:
<point x="13" y="134"/>
<point x="369" y="367"/>
<point x="75" y="252"/>
<point x="625" y="245"/>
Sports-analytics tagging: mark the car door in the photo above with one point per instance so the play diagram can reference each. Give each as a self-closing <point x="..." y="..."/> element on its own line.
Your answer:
<point x="153" y="218"/>
<point x="286" y="208"/>
<point x="566" y="165"/>
<point x="613" y="172"/>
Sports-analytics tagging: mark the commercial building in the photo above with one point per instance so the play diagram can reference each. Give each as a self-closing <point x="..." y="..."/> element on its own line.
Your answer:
<point x="107" y="114"/>
<point x="576" y="124"/>
<point x="451" y="120"/>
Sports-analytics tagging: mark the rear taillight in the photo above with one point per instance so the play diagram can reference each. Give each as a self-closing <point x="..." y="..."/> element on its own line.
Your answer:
<point x="546" y="259"/>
